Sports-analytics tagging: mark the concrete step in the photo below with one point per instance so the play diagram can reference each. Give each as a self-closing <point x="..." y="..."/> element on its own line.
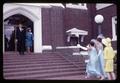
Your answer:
<point x="40" y="64"/>
<point x="74" y="77"/>
<point x="37" y="64"/>
<point x="36" y="58"/>
<point x="38" y="68"/>
<point x="30" y="57"/>
<point x="32" y="54"/>
<point x="44" y="75"/>
<point x="31" y="62"/>
<point x="42" y="71"/>
<point x="40" y="59"/>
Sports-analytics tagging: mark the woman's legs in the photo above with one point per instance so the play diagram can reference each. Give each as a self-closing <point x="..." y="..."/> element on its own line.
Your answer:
<point x="108" y="75"/>
<point x="88" y="75"/>
<point x="88" y="70"/>
<point x="101" y="77"/>
<point x="113" y="75"/>
<point x="28" y="49"/>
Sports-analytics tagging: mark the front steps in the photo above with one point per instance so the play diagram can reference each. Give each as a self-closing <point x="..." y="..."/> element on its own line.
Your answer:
<point x="45" y="66"/>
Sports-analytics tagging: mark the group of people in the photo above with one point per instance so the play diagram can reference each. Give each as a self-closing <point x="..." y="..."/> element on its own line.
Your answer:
<point x="101" y="56"/>
<point x="24" y="39"/>
<point x="100" y="52"/>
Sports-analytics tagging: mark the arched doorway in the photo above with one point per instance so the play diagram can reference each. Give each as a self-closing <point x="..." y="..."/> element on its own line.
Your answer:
<point x="10" y="24"/>
<point x="33" y="14"/>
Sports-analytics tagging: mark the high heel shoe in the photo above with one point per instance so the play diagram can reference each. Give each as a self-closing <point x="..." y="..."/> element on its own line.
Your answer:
<point x="101" y="78"/>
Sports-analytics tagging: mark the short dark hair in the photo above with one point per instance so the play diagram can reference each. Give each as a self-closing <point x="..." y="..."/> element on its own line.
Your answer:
<point x="92" y="43"/>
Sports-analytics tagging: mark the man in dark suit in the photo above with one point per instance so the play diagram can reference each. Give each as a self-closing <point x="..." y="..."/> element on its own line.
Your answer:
<point x="20" y="38"/>
<point x="6" y="43"/>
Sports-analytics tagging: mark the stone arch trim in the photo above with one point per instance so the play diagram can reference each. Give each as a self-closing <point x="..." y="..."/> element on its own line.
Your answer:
<point x="20" y="10"/>
<point x="37" y="25"/>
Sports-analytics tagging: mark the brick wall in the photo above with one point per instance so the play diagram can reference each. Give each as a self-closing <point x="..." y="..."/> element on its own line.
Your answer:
<point x="52" y="26"/>
<point x="56" y="21"/>
<point x="75" y="18"/>
<point x="46" y="27"/>
<point x="108" y="13"/>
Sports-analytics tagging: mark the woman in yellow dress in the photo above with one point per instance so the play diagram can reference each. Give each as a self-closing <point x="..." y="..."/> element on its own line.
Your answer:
<point x="108" y="57"/>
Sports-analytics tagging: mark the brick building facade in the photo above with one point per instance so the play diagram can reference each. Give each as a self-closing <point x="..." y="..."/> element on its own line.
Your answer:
<point x="51" y="22"/>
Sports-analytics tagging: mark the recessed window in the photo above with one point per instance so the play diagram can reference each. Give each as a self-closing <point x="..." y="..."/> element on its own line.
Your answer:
<point x="82" y="4"/>
<point x="114" y="28"/>
<point x="77" y="5"/>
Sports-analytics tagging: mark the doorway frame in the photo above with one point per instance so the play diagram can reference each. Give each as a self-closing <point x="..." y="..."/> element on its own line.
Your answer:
<point x="33" y="14"/>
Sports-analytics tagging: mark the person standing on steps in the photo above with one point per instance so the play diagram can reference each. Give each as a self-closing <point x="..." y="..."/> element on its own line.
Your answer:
<point x="6" y="43"/>
<point x="108" y="57"/>
<point x="91" y="69"/>
<point x="29" y="40"/>
<point x="20" y="38"/>
<point x="100" y="65"/>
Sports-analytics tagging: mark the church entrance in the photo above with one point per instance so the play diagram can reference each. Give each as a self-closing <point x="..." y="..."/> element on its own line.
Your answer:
<point x="10" y="25"/>
<point x="30" y="17"/>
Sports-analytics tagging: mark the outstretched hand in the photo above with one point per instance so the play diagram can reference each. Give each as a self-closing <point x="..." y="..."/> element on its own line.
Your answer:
<point x="84" y="48"/>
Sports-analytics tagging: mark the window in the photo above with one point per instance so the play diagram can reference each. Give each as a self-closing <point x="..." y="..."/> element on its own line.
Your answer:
<point x="82" y="4"/>
<point x="114" y="28"/>
<point x="77" y="5"/>
<point x="103" y="5"/>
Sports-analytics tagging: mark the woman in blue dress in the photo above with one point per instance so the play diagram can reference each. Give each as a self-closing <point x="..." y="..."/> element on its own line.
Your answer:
<point x="100" y="65"/>
<point x="29" y="40"/>
<point x="91" y="69"/>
